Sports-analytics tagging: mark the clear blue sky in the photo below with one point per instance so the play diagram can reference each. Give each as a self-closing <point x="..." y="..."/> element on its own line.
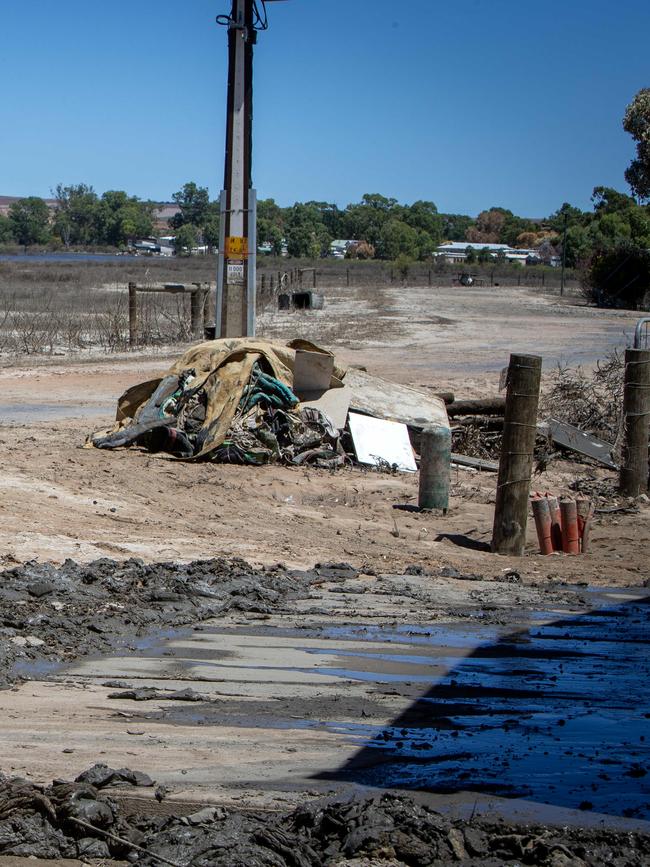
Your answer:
<point x="469" y="103"/>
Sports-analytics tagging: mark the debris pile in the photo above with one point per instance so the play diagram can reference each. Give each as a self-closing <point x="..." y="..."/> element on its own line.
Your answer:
<point x="77" y="820"/>
<point x="256" y="402"/>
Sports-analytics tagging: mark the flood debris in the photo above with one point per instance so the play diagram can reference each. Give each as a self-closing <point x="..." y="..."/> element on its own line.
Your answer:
<point x="248" y="401"/>
<point x="77" y="820"/>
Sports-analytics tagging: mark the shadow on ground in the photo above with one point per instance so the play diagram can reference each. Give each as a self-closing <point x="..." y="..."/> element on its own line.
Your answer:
<point x="557" y="713"/>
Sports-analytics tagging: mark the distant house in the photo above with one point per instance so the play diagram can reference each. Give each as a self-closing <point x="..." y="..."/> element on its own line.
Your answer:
<point x="456" y="251"/>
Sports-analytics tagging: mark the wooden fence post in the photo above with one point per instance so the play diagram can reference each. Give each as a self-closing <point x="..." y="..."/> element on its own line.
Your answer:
<point x="347" y="275"/>
<point x="133" y="314"/>
<point x="196" y="313"/>
<point x="516" y="462"/>
<point x="633" y="479"/>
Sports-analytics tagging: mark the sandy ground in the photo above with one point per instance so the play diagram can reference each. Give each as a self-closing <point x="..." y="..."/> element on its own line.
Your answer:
<point x="58" y="500"/>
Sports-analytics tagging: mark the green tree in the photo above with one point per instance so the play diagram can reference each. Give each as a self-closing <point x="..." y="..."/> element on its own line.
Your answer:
<point x="424" y="216"/>
<point x="269" y="232"/>
<point x="211" y="232"/>
<point x="620" y="276"/>
<point x="6" y="232"/>
<point x="455" y="226"/>
<point x="397" y="237"/>
<point x="637" y="123"/>
<point x="609" y="201"/>
<point x="194" y="204"/>
<point x="578" y="245"/>
<point x="186" y="238"/>
<point x="364" y="221"/>
<point x="121" y="218"/>
<point x="75" y="220"/>
<point x="574" y="217"/>
<point x="29" y="220"/>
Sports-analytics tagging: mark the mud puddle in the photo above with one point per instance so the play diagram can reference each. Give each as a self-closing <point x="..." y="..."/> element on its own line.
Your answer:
<point x="555" y="713"/>
<point x="552" y="709"/>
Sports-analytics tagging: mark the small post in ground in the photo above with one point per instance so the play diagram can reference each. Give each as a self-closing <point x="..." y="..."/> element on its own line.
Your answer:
<point x="435" y="464"/>
<point x="133" y="314"/>
<point x="633" y="479"/>
<point x="196" y="311"/>
<point x="516" y="462"/>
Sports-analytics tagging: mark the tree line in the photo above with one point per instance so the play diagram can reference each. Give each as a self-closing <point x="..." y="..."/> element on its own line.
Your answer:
<point x="381" y="227"/>
<point x="618" y="225"/>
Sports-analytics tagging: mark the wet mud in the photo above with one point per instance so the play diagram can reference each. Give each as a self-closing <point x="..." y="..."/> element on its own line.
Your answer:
<point x="552" y="709"/>
<point x="83" y="820"/>
<point x="51" y="615"/>
<point x="556" y="713"/>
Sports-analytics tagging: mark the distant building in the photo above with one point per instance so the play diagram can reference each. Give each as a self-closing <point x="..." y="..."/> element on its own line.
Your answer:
<point x="456" y="251"/>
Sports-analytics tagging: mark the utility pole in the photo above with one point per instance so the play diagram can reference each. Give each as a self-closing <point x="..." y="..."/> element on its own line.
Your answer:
<point x="566" y="220"/>
<point x="236" y="268"/>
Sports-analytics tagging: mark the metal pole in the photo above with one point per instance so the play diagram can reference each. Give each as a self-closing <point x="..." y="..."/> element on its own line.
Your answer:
<point x="516" y="462"/>
<point x="566" y="220"/>
<point x="234" y="315"/>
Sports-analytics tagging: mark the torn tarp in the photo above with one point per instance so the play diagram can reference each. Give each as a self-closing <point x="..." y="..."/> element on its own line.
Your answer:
<point x="229" y="401"/>
<point x="234" y="401"/>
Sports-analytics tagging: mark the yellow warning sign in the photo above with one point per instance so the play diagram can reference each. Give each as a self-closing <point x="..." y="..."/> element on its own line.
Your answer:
<point x="236" y="248"/>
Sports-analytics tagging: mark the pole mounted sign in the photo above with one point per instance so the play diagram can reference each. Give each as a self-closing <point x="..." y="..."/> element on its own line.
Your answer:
<point x="236" y="268"/>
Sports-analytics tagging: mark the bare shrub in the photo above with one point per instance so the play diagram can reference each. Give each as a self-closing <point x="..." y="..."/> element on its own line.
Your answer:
<point x="593" y="402"/>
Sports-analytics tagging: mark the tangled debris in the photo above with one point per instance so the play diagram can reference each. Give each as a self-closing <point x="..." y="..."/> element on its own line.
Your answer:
<point x="71" y="820"/>
<point x="592" y="402"/>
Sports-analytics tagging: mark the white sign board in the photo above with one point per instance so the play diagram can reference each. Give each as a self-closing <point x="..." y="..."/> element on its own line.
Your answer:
<point x="235" y="272"/>
<point x="377" y="441"/>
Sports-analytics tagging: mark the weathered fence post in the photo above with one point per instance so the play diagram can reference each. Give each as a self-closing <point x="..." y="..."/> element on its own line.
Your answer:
<point x="435" y="464"/>
<point x="347" y="275"/>
<point x="429" y="276"/>
<point x="196" y="312"/>
<point x="263" y="282"/>
<point x="633" y="479"/>
<point x="133" y="314"/>
<point x="516" y="461"/>
<point x="314" y="278"/>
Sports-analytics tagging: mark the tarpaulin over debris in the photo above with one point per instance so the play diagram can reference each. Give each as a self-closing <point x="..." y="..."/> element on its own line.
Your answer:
<point x="233" y="401"/>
